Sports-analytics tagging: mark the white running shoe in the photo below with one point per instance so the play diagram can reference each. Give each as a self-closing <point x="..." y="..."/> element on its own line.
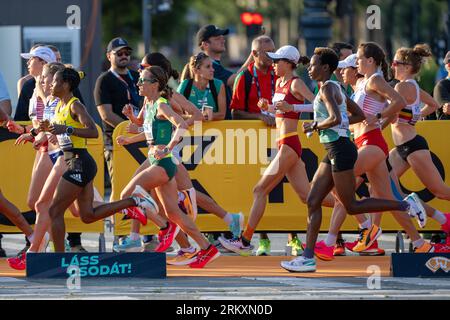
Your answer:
<point x="236" y="246"/>
<point x="44" y="242"/>
<point x="300" y="264"/>
<point x="416" y="209"/>
<point x="145" y="201"/>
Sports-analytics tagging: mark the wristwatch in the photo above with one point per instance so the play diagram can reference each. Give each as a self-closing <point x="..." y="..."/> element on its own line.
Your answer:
<point x="69" y="130"/>
<point x="33" y="132"/>
<point x="166" y="150"/>
<point x="378" y="115"/>
<point x="314" y="125"/>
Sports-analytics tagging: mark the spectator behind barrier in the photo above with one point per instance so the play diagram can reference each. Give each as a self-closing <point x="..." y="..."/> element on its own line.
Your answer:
<point x="256" y="82"/>
<point x="114" y="89"/>
<point x="200" y="87"/>
<point x="211" y="41"/>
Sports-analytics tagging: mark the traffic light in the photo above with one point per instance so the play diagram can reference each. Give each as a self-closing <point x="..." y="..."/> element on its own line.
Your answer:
<point x="253" y="21"/>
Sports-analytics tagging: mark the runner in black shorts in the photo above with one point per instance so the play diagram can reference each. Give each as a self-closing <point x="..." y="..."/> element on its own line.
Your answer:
<point x="336" y="171"/>
<point x="73" y="125"/>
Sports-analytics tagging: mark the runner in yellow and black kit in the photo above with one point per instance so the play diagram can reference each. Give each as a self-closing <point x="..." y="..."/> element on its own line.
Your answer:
<point x="73" y="125"/>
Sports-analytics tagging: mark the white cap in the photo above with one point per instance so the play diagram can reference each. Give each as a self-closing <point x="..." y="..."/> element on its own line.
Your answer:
<point x="42" y="52"/>
<point x="286" y="52"/>
<point x="350" y="61"/>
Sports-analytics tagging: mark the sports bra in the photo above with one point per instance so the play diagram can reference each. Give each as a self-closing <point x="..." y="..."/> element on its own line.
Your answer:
<point x="412" y="112"/>
<point x="283" y="93"/>
<point x="368" y="104"/>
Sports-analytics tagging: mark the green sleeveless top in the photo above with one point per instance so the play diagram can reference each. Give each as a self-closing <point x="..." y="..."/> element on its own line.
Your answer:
<point x="321" y="113"/>
<point x="157" y="131"/>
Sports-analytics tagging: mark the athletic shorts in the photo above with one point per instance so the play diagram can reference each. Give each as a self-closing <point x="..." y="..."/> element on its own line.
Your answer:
<point x="413" y="145"/>
<point x="54" y="155"/>
<point x="167" y="164"/>
<point x="293" y="141"/>
<point x="81" y="167"/>
<point x="341" y="154"/>
<point x="373" y="138"/>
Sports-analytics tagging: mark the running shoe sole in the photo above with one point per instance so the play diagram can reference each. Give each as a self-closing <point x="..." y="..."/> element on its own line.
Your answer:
<point x="420" y="213"/>
<point x="285" y="265"/>
<point x="138" y="190"/>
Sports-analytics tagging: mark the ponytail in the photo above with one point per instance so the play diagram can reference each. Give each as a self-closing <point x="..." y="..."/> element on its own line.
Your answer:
<point x="373" y="50"/>
<point x="186" y="74"/>
<point x="415" y="56"/>
<point x="304" y="60"/>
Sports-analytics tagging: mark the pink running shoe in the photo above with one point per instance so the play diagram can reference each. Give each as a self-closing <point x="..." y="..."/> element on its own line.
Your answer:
<point x="323" y="252"/>
<point x="166" y="236"/>
<point x="136" y="213"/>
<point x="19" y="264"/>
<point x="205" y="256"/>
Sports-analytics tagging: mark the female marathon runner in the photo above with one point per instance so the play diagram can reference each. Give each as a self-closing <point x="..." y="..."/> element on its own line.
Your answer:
<point x="72" y="125"/>
<point x="336" y="170"/>
<point x="42" y="224"/>
<point x="289" y="90"/>
<point x="412" y="149"/>
<point x="158" y="131"/>
<point x="370" y="95"/>
<point x="188" y="196"/>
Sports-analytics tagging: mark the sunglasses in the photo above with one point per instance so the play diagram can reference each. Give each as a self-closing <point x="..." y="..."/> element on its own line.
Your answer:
<point x="397" y="63"/>
<point x="123" y="53"/>
<point x="141" y="81"/>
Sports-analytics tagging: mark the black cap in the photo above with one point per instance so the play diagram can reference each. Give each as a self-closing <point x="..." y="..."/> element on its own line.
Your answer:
<point x="209" y="31"/>
<point x="447" y="58"/>
<point x="117" y="44"/>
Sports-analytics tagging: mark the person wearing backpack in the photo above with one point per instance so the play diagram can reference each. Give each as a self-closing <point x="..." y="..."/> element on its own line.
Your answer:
<point x="256" y="82"/>
<point x="200" y="87"/>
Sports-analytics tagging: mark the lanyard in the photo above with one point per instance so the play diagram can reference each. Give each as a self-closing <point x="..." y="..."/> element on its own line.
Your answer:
<point x="258" y="88"/>
<point x="127" y="86"/>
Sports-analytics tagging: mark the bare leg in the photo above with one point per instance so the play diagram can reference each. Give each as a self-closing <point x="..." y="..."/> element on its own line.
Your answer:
<point x="167" y="193"/>
<point x="284" y="160"/>
<point x="14" y="214"/>
<point x="321" y="185"/>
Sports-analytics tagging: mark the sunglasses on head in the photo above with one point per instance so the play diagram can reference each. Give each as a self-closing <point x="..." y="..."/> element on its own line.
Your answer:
<point x="397" y="63"/>
<point x="200" y="57"/>
<point x="123" y="53"/>
<point x="142" y="66"/>
<point x="143" y="80"/>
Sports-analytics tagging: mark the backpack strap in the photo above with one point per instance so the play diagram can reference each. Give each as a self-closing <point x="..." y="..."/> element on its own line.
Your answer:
<point x="188" y="89"/>
<point x="248" y="85"/>
<point x="212" y="87"/>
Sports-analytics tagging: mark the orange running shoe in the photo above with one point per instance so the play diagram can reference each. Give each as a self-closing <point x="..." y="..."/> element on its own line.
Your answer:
<point x="425" y="248"/>
<point x="368" y="238"/>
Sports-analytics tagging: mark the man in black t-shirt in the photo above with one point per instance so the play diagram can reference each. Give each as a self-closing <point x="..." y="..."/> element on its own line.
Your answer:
<point x="442" y="93"/>
<point x="114" y="89"/>
<point x="211" y="41"/>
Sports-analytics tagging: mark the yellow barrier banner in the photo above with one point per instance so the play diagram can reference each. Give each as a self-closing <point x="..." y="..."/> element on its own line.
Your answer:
<point x="225" y="160"/>
<point x="16" y="165"/>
